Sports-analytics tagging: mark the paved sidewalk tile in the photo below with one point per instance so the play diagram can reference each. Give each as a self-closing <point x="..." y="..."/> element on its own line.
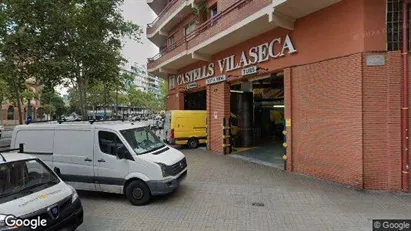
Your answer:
<point x="219" y="193"/>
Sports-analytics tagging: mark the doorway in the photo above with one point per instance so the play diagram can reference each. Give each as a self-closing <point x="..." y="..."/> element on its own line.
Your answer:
<point x="262" y="141"/>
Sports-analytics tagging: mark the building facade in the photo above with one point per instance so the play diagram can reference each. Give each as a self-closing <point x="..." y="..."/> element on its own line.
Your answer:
<point x="142" y="79"/>
<point x="339" y="64"/>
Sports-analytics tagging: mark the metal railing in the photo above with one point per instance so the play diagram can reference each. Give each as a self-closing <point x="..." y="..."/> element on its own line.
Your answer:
<point x="200" y="29"/>
<point x="162" y="13"/>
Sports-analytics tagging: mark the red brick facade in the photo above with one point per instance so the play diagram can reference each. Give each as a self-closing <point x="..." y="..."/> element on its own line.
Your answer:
<point x="344" y="115"/>
<point x="218" y="108"/>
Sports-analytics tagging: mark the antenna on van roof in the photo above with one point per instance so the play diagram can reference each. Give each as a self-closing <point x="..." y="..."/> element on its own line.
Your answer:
<point x="4" y="159"/>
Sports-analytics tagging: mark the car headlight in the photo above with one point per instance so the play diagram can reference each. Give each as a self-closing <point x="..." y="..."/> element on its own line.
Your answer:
<point x="74" y="196"/>
<point x="163" y="169"/>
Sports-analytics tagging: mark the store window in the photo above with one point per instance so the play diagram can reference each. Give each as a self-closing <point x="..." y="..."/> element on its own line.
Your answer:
<point x="394" y="25"/>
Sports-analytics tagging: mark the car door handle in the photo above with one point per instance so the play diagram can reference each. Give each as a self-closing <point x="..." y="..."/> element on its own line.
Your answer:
<point x="101" y="160"/>
<point x="87" y="159"/>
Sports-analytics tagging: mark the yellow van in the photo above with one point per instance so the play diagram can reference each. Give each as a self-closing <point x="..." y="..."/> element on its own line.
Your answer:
<point x="186" y="127"/>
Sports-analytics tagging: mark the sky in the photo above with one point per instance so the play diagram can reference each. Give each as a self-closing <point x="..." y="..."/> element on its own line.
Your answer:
<point x="141" y="14"/>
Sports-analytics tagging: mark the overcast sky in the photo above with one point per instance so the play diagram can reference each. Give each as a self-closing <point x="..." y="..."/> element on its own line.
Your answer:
<point x="140" y="13"/>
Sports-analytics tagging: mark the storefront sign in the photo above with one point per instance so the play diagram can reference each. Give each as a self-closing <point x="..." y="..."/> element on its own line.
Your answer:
<point x="249" y="70"/>
<point x="192" y="85"/>
<point x="217" y="79"/>
<point x="274" y="49"/>
<point x="375" y="60"/>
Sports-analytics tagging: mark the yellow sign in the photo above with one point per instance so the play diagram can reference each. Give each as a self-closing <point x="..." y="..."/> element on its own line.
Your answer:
<point x="43" y="196"/>
<point x="288" y="122"/>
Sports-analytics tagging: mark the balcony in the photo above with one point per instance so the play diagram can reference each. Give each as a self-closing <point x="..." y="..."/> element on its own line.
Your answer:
<point x="243" y="20"/>
<point x="172" y="14"/>
<point x="157" y="5"/>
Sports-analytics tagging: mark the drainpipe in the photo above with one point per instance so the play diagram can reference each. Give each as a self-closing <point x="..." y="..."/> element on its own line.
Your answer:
<point x="404" y="108"/>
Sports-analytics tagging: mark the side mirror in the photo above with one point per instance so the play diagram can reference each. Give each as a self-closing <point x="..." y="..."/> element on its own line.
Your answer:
<point x="122" y="153"/>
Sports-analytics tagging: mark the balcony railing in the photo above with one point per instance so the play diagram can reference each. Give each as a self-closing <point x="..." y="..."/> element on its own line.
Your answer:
<point x="162" y="13"/>
<point x="200" y="29"/>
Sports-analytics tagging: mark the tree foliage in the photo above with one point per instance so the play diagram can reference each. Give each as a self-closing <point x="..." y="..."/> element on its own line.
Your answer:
<point x="72" y="42"/>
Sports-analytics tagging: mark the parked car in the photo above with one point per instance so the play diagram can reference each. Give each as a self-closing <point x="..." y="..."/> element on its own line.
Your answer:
<point x="30" y="190"/>
<point x="1" y="130"/>
<point x="121" y="157"/>
<point x="185" y="127"/>
<point x="136" y="118"/>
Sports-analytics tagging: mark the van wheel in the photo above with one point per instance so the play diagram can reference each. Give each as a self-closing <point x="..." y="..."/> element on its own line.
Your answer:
<point x="138" y="193"/>
<point x="193" y="143"/>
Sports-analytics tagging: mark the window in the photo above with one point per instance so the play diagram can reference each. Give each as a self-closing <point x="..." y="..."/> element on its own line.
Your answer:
<point x="17" y="178"/>
<point x="142" y="140"/>
<point x="10" y="113"/>
<point x="213" y="14"/>
<point x="394" y="25"/>
<point x="189" y="28"/>
<point x="171" y="82"/>
<point x="109" y="143"/>
<point x="170" y="41"/>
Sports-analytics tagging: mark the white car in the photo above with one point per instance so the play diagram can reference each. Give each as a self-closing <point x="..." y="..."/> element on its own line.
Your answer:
<point x="33" y="196"/>
<point x="115" y="157"/>
<point x="1" y="130"/>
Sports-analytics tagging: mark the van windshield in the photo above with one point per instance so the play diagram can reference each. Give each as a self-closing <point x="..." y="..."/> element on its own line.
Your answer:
<point x="23" y="177"/>
<point x="142" y="140"/>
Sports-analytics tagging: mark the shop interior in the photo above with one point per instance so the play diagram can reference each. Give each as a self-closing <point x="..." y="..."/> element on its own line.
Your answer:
<point x="257" y="111"/>
<point x="195" y="100"/>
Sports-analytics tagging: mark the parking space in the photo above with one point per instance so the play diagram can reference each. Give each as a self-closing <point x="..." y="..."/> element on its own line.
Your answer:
<point x="224" y="193"/>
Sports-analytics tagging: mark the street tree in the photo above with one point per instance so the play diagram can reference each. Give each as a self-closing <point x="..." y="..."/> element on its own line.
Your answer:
<point x="92" y="45"/>
<point x="20" y="45"/>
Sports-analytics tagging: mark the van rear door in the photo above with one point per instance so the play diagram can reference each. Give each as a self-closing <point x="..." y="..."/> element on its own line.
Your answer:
<point x="73" y="157"/>
<point x="37" y="142"/>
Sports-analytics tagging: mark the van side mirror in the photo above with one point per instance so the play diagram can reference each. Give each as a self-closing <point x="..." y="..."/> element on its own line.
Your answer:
<point x="122" y="153"/>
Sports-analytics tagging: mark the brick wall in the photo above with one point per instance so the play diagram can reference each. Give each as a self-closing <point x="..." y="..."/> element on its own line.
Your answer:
<point x="175" y="101"/>
<point x="326" y="120"/>
<point x="218" y="103"/>
<point x="394" y="73"/>
<point x="375" y="100"/>
<point x="288" y="115"/>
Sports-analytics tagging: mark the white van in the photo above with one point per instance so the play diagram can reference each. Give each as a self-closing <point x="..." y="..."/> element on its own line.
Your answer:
<point x="115" y="157"/>
<point x="33" y="197"/>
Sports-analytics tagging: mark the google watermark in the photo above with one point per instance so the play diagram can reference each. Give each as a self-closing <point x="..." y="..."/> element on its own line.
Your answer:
<point x="8" y="221"/>
<point x="402" y="225"/>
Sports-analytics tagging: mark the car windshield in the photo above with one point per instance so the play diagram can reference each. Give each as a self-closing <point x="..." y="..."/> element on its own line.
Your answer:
<point x="24" y="177"/>
<point x="142" y="140"/>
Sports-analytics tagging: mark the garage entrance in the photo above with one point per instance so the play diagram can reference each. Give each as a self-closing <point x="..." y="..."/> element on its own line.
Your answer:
<point x="258" y="120"/>
<point x="195" y="100"/>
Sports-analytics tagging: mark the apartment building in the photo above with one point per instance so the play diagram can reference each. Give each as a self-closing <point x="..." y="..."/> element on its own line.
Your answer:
<point x="322" y="83"/>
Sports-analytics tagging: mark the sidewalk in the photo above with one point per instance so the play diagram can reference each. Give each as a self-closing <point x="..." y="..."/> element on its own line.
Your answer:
<point x="225" y="193"/>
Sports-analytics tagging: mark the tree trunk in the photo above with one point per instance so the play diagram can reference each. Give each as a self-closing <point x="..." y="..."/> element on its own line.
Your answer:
<point x="1" y="108"/>
<point x="19" y="104"/>
<point x="105" y="100"/>
<point x="85" y="116"/>
<point x="80" y="97"/>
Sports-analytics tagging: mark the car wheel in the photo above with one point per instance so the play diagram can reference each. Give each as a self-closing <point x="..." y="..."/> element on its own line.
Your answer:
<point x="138" y="193"/>
<point x="193" y="143"/>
